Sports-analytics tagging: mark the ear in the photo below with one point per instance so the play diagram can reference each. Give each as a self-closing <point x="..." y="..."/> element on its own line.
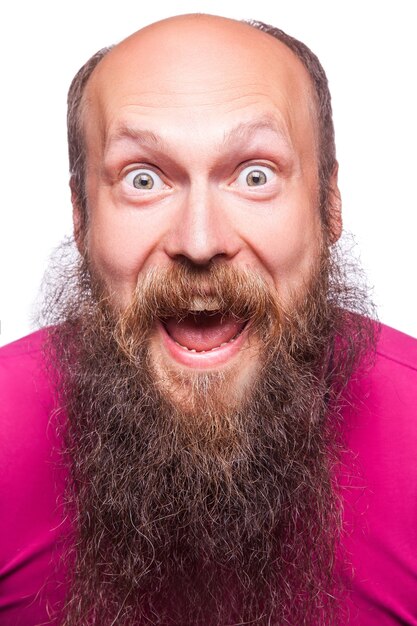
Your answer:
<point x="76" y="216"/>
<point x="334" y="206"/>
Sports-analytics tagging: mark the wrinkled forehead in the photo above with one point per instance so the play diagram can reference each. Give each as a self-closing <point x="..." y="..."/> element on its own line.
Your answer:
<point x="205" y="70"/>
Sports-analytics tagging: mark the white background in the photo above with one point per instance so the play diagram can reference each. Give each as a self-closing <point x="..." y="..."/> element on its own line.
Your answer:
<point x="368" y="49"/>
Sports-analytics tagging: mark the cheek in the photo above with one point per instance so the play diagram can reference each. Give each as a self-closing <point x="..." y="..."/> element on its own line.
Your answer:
<point x="288" y="244"/>
<point x="119" y="243"/>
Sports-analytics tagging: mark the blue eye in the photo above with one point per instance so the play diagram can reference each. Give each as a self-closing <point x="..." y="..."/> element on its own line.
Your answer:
<point x="255" y="176"/>
<point x="144" y="179"/>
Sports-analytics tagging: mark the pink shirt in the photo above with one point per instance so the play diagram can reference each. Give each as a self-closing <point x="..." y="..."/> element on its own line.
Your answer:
<point x="379" y="487"/>
<point x="380" y="507"/>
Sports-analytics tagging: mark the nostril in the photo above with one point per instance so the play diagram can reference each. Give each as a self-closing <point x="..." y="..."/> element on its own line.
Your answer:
<point x="198" y="264"/>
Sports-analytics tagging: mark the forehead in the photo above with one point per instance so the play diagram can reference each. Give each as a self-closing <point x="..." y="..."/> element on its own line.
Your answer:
<point x="202" y="73"/>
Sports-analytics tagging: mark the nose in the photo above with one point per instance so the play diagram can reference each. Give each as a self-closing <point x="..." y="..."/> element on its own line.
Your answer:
<point x="202" y="231"/>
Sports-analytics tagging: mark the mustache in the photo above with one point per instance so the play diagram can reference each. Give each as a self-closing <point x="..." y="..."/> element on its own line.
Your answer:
<point x="179" y="291"/>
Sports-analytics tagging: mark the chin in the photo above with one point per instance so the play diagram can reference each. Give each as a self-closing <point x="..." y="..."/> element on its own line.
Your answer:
<point x="204" y="384"/>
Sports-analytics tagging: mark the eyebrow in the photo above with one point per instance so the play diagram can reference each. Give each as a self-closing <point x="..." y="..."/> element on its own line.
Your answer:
<point x="240" y="132"/>
<point x="145" y="137"/>
<point x="246" y="129"/>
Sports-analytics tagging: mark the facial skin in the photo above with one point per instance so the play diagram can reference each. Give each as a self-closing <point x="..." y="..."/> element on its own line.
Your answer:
<point x="197" y="114"/>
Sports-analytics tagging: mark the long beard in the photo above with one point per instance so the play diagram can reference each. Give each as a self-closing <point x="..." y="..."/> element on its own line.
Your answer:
<point x="202" y="508"/>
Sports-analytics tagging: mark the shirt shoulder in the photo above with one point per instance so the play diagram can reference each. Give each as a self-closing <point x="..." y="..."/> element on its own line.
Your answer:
<point x="383" y="406"/>
<point x="25" y="391"/>
<point x="24" y="346"/>
<point x="30" y="481"/>
<point x="380" y="484"/>
<point x="24" y="382"/>
<point x="397" y="347"/>
<point x="391" y="386"/>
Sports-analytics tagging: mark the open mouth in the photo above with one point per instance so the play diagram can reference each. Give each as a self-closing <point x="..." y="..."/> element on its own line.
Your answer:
<point x="203" y="336"/>
<point x="204" y="331"/>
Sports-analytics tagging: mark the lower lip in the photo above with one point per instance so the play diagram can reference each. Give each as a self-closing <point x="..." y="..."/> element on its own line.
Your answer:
<point x="201" y="360"/>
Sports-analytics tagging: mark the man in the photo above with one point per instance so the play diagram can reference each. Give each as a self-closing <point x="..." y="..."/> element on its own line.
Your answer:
<point x="210" y="430"/>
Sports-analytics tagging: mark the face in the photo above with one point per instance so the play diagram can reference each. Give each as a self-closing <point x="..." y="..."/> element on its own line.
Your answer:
<point x="202" y="150"/>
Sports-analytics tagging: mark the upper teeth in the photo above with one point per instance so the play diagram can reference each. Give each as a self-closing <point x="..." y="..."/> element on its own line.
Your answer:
<point x="204" y="304"/>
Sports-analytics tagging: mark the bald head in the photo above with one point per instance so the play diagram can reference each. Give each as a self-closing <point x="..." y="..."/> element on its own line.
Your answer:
<point x="198" y="54"/>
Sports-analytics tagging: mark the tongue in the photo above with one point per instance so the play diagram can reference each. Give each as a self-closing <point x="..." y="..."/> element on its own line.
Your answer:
<point x="203" y="331"/>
